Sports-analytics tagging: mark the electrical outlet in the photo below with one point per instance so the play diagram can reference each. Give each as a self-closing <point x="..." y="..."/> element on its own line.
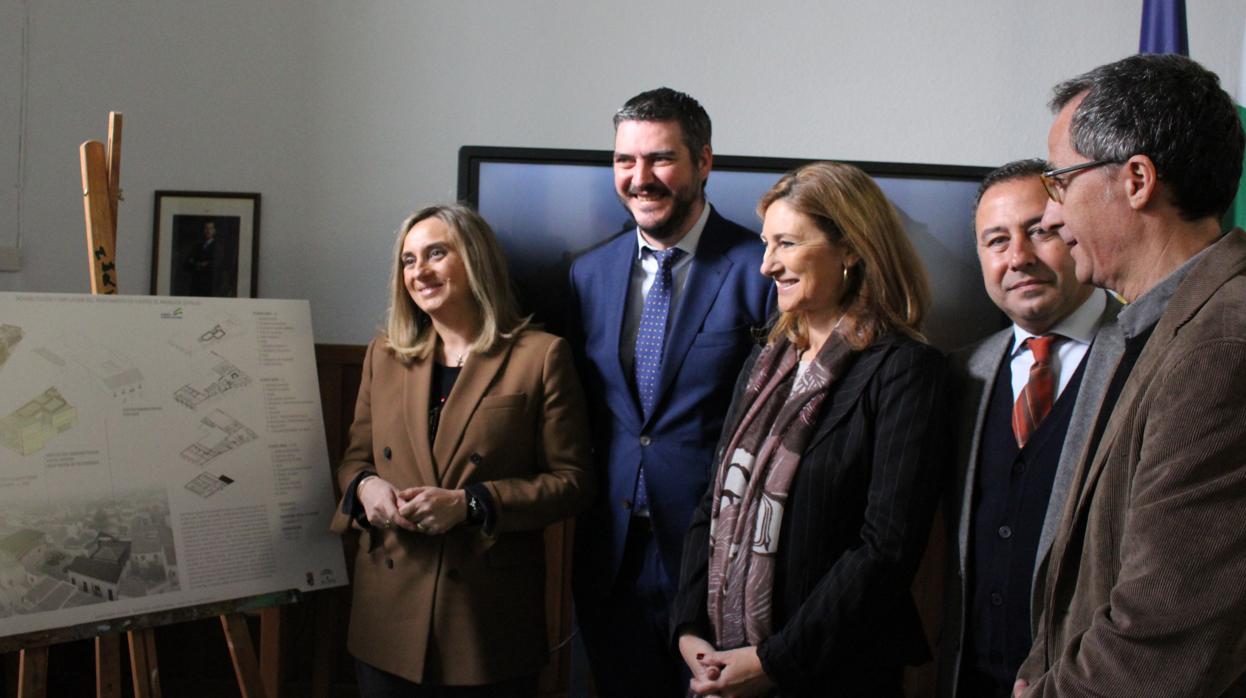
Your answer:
<point x="10" y="259"/>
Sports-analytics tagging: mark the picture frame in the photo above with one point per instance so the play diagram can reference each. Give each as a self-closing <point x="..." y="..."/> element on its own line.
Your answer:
<point x="206" y="243"/>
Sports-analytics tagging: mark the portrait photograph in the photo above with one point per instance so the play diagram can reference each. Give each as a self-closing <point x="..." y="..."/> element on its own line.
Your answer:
<point x="205" y="256"/>
<point x="205" y="244"/>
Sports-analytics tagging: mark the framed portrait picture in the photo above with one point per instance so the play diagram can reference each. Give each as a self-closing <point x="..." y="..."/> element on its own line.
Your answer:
<point x="206" y="244"/>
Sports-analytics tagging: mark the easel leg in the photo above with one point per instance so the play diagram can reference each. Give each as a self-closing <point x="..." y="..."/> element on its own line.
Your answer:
<point x="143" y="666"/>
<point x="270" y="650"/>
<point x="242" y="651"/>
<point x="108" y="666"/>
<point x="32" y="676"/>
<point x="138" y="666"/>
<point x="326" y="643"/>
<point x="153" y="667"/>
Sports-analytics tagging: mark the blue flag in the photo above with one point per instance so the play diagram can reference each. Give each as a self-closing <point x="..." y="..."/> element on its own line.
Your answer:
<point x="1163" y="27"/>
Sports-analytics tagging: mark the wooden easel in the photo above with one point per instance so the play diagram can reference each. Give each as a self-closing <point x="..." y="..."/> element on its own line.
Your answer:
<point x="101" y="192"/>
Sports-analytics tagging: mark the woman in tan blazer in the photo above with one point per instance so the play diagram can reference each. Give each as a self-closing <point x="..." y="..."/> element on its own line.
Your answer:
<point x="469" y="438"/>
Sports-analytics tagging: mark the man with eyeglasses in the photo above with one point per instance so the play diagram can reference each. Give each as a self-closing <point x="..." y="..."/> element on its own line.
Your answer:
<point x="1027" y="394"/>
<point x="1144" y="592"/>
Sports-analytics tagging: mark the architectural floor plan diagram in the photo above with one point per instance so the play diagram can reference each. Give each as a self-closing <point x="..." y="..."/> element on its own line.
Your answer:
<point x="208" y="334"/>
<point x="206" y="484"/>
<point x="224" y="434"/>
<point x="223" y="378"/>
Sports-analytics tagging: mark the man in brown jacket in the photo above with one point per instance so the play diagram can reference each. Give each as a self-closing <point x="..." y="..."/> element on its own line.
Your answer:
<point x="1144" y="591"/>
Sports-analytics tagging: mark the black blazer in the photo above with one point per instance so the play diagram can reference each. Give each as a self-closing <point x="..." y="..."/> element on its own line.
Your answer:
<point x="855" y="526"/>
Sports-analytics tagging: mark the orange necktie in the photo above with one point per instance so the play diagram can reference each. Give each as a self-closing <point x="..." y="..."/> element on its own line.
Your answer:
<point x="1037" y="397"/>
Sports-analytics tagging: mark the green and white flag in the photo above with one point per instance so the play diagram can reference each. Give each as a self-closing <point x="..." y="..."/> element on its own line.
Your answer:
<point x="1237" y="212"/>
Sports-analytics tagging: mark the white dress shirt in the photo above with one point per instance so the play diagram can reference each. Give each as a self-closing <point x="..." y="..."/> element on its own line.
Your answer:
<point x="644" y="271"/>
<point x="1076" y="331"/>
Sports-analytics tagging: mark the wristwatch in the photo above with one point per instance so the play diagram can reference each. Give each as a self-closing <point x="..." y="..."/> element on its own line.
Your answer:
<point x="475" y="508"/>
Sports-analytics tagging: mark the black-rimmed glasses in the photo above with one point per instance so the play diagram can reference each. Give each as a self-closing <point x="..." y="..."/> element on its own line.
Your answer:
<point x="1055" y="182"/>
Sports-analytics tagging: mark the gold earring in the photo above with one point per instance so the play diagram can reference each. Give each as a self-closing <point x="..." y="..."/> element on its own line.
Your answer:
<point x="845" y="274"/>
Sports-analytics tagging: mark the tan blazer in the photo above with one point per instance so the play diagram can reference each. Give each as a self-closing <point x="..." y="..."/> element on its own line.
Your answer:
<point x="1145" y="591"/>
<point x="465" y="608"/>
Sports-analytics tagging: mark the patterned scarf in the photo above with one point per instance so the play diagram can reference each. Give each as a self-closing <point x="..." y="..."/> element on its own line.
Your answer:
<point x="751" y="487"/>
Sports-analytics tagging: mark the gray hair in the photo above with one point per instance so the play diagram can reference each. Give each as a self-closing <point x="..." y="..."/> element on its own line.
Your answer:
<point x="1170" y="109"/>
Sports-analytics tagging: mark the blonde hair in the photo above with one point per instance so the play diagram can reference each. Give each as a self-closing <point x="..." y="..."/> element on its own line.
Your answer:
<point x="409" y="330"/>
<point x="887" y="289"/>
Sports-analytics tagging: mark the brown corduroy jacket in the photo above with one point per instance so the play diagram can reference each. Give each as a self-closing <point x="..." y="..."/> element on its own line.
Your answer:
<point x="1145" y="586"/>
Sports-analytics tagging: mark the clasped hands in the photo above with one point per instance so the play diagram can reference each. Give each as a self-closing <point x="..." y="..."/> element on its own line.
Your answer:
<point x="729" y="674"/>
<point x="427" y="510"/>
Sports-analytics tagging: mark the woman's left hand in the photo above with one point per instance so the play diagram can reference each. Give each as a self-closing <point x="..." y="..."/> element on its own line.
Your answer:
<point x="433" y="510"/>
<point x="740" y="675"/>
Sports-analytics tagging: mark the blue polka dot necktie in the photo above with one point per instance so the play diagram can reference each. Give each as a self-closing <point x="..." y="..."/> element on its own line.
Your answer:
<point x="650" y="339"/>
<point x="651" y="335"/>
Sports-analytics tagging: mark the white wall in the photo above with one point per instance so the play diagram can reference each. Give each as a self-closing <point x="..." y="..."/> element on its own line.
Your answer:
<point x="347" y="115"/>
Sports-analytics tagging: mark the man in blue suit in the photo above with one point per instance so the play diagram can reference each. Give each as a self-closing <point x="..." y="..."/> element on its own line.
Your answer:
<point x="662" y="321"/>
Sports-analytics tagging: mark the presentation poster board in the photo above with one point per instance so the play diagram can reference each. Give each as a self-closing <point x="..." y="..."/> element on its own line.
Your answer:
<point x="157" y="454"/>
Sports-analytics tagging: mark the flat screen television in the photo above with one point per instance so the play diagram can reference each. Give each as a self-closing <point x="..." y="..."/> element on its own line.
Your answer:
<point x="550" y="205"/>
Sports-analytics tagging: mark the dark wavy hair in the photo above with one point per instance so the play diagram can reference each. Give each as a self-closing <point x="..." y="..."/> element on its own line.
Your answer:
<point x="665" y="104"/>
<point x="1017" y="169"/>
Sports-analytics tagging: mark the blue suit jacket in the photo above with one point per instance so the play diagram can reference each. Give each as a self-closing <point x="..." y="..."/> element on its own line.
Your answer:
<point x="724" y="298"/>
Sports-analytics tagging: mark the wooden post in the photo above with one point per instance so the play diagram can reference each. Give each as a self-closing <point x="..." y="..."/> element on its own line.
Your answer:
<point x="242" y="652"/>
<point x="101" y="192"/>
<point x="270" y="650"/>
<point x="101" y="230"/>
<point x="149" y="641"/>
<point x="144" y="669"/>
<point x="114" y="166"/>
<point x="32" y="676"/>
<point x="108" y="666"/>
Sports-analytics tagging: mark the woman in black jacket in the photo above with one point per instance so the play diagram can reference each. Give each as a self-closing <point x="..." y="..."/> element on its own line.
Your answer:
<point x="797" y="566"/>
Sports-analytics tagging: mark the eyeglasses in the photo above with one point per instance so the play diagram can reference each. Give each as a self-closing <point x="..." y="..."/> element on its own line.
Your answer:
<point x="1055" y="183"/>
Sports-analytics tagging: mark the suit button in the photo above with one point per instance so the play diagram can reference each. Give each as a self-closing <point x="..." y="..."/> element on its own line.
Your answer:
<point x="388" y="453"/>
<point x="997" y="599"/>
<point x="475" y="459"/>
<point x="389" y="563"/>
<point x="1005" y="532"/>
<point x="627" y="503"/>
<point x="453" y="574"/>
<point x="645" y="440"/>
